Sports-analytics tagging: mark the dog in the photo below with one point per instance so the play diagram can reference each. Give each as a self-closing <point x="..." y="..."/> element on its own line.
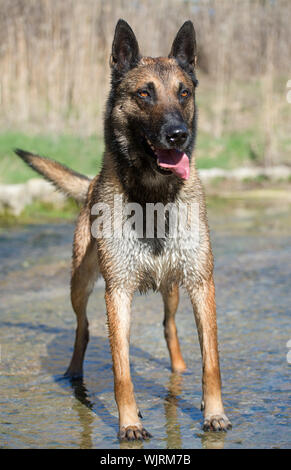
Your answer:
<point x="150" y="132"/>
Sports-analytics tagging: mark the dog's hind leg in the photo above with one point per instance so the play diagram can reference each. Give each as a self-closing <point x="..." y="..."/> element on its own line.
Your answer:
<point x="84" y="275"/>
<point x="171" y="300"/>
<point x="203" y="301"/>
<point x="118" y="304"/>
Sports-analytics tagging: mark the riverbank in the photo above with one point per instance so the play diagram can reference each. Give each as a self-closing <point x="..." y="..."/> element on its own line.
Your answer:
<point x="40" y="197"/>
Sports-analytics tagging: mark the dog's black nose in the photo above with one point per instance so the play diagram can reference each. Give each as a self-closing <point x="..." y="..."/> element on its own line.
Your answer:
<point x="177" y="135"/>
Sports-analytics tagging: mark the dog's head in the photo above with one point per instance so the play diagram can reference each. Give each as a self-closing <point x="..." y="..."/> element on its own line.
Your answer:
<point x="152" y="113"/>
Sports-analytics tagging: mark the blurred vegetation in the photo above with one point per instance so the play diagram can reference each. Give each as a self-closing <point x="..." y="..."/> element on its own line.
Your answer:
<point x="84" y="154"/>
<point x="55" y="77"/>
<point x="81" y="153"/>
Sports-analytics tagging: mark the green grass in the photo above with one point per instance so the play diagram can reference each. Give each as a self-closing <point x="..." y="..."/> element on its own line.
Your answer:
<point x="229" y="151"/>
<point x="83" y="154"/>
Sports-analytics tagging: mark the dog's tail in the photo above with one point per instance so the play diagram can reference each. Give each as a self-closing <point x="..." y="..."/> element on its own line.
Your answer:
<point x="70" y="182"/>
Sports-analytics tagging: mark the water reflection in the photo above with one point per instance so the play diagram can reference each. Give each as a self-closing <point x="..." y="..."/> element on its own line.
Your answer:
<point x="213" y="440"/>
<point x="85" y="413"/>
<point x="171" y="404"/>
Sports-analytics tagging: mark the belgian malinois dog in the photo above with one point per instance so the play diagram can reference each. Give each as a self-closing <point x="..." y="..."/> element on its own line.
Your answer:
<point x="150" y="130"/>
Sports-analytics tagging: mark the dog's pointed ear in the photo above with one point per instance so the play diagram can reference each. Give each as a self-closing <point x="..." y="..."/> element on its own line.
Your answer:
<point x="125" y="50"/>
<point x="184" y="47"/>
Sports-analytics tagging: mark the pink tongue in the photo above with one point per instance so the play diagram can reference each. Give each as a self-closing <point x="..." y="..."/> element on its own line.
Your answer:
<point x="174" y="160"/>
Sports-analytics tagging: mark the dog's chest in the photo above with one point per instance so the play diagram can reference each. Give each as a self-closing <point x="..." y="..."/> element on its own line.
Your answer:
<point x="149" y="263"/>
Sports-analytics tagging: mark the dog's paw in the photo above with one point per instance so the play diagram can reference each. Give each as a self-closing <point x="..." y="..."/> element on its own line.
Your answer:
<point x="218" y="422"/>
<point x="133" y="433"/>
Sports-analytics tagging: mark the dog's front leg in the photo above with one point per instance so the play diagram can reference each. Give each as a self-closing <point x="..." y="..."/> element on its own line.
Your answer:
<point x="118" y="305"/>
<point x="203" y="301"/>
<point x="171" y="300"/>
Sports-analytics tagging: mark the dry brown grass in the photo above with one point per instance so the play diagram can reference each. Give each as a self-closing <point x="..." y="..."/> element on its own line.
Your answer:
<point x="54" y="60"/>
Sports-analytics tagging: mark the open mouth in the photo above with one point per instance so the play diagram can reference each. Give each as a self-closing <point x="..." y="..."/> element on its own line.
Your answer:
<point x="170" y="161"/>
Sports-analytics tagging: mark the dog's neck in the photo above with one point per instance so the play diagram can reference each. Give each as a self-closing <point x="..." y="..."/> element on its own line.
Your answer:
<point x="142" y="186"/>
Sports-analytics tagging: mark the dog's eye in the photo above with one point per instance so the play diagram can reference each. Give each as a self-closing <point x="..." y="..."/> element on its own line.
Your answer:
<point x="184" y="93"/>
<point x="143" y="93"/>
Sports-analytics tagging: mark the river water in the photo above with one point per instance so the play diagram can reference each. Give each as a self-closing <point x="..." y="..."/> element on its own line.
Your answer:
<point x="39" y="409"/>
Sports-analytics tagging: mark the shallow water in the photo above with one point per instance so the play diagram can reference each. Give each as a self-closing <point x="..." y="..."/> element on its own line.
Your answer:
<point x="41" y="409"/>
